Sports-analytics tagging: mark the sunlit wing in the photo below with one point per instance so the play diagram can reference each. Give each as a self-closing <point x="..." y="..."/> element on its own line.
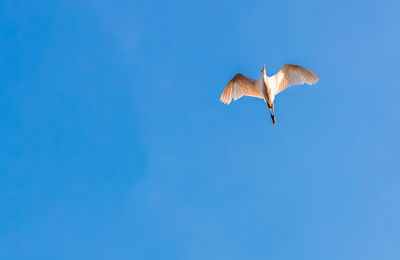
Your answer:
<point x="239" y="86"/>
<point x="290" y="75"/>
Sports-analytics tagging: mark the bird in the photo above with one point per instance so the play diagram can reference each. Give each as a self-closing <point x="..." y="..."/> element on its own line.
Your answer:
<point x="267" y="87"/>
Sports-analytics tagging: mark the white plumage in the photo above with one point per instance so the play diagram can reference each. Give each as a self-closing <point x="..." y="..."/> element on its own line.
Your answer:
<point x="268" y="87"/>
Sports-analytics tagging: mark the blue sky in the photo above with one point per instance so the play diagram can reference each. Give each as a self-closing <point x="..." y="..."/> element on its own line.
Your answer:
<point x="114" y="145"/>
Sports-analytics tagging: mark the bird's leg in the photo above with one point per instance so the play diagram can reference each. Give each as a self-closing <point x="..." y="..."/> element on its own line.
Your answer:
<point x="272" y="115"/>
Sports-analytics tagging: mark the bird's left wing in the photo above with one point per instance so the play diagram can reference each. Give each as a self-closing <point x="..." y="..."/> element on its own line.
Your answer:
<point x="239" y="86"/>
<point x="293" y="75"/>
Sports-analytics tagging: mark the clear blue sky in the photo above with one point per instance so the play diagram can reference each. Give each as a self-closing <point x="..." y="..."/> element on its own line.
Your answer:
<point x="114" y="145"/>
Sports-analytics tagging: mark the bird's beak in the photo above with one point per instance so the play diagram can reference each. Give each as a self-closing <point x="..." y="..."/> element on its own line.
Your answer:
<point x="264" y="67"/>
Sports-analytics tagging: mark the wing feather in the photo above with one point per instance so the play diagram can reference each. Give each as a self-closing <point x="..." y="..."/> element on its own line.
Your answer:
<point x="290" y="75"/>
<point x="239" y="86"/>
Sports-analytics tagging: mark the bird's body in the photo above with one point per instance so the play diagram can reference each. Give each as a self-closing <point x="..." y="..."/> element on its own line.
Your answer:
<point x="267" y="87"/>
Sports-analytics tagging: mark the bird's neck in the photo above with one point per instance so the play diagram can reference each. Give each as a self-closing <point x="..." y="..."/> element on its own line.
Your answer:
<point x="264" y="79"/>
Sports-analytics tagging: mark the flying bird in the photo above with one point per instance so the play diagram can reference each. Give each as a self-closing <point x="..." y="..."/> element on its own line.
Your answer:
<point x="267" y="87"/>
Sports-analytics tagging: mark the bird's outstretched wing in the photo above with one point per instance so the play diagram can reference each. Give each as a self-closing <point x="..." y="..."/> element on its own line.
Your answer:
<point x="239" y="86"/>
<point x="293" y="75"/>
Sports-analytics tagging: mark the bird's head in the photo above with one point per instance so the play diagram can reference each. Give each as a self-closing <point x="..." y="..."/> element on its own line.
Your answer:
<point x="263" y="71"/>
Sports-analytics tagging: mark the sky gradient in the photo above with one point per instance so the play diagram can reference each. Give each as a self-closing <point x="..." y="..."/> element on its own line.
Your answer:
<point x="114" y="145"/>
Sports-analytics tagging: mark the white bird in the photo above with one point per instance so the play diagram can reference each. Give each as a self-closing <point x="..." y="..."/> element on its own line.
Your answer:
<point x="267" y="87"/>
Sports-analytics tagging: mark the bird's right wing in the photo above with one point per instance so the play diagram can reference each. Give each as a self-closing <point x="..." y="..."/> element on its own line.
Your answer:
<point x="290" y="75"/>
<point x="239" y="86"/>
